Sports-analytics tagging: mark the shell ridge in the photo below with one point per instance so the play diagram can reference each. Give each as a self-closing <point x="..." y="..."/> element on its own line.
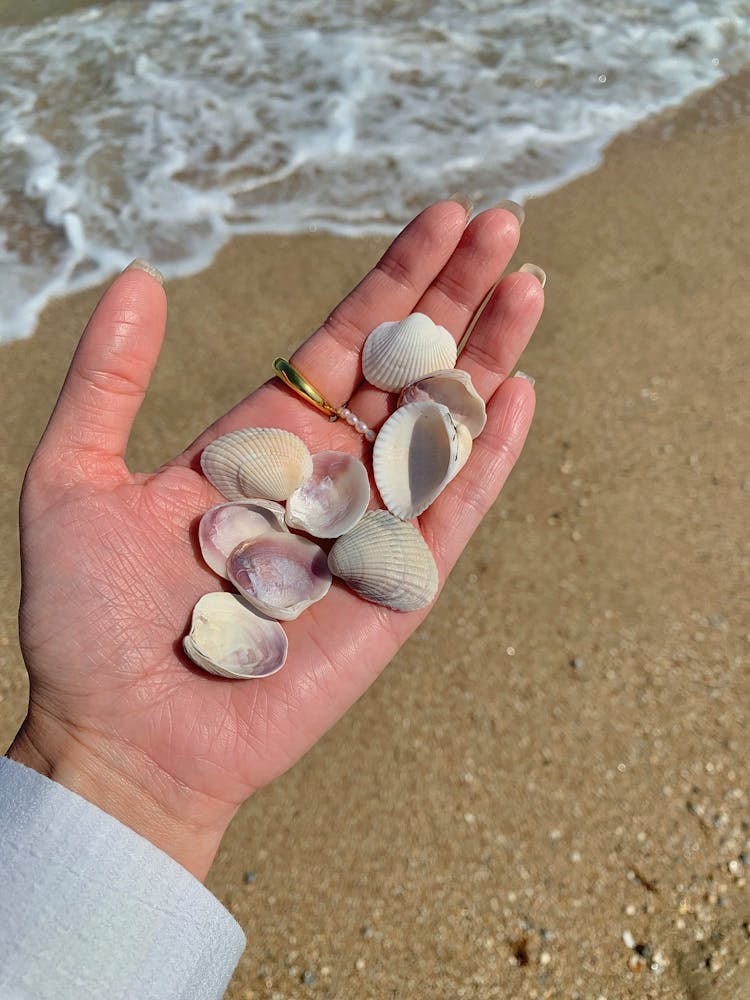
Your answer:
<point x="404" y="578"/>
<point x="397" y="353"/>
<point x="264" y="462"/>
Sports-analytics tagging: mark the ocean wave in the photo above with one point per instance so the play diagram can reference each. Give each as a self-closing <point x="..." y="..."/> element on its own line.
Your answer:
<point x="160" y="129"/>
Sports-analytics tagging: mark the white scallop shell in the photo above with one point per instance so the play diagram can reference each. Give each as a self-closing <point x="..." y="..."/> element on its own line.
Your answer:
<point x="416" y="454"/>
<point x="222" y="528"/>
<point x="229" y="639"/>
<point x="396" y="354"/>
<point x="280" y="574"/>
<point x="265" y="462"/>
<point x="386" y="561"/>
<point x="454" y="389"/>
<point x="334" y="497"/>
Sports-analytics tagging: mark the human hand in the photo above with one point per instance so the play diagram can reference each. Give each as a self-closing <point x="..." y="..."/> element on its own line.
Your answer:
<point x="110" y="565"/>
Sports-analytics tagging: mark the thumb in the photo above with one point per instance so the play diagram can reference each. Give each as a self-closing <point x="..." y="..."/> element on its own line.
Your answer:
<point x="88" y="431"/>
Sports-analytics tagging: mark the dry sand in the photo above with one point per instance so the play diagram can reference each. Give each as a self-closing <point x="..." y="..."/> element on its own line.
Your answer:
<point x="546" y="794"/>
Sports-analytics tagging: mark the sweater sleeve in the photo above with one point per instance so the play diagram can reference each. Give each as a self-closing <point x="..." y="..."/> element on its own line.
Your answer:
<point x="88" y="908"/>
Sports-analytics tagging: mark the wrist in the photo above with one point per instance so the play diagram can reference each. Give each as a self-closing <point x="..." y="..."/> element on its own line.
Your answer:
<point x="114" y="779"/>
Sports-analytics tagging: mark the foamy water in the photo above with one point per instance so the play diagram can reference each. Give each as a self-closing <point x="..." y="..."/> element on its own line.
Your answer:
<point x="161" y="129"/>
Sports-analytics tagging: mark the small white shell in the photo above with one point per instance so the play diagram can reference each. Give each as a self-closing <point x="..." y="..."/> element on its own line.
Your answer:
<point x="229" y="639"/>
<point x="396" y="354"/>
<point x="222" y="528"/>
<point x="280" y="574"/>
<point x="386" y="561"/>
<point x="265" y="462"/>
<point x="418" y="451"/>
<point x="333" y="499"/>
<point x="454" y="389"/>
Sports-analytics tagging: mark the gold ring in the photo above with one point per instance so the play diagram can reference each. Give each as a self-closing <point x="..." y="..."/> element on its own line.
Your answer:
<point x="299" y="384"/>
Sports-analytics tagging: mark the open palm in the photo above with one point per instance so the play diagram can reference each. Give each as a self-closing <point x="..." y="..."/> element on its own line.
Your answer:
<point x="111" y="568"/>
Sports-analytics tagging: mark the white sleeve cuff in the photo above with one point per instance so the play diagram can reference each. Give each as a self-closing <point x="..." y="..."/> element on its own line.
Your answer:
<point x="88" y="908"/>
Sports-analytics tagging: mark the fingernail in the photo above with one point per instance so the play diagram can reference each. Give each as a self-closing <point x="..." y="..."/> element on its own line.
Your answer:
<point x="536" y="271"/>
<point x="529" y="378"/>
<point x="514" y="208"/>
<point x="139" y="264"/>
<point x="464" y="201"/>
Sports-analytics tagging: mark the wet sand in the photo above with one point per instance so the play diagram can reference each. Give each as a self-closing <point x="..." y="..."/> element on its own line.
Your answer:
<point x="546" y="793"/>
<point x="13" y="12"/>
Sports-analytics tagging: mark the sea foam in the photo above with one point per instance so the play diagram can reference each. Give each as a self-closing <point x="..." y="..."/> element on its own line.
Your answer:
<point x="161" y="129"/>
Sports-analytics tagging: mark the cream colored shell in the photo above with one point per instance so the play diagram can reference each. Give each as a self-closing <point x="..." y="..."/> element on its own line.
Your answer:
<point x="386" y="561"/>
<point x="418" y="451"/>
<point x="334" y="497"/>
<point x="396" y="354"/>
<point x="229" y="639"/>
<point x="454" y="389"/>
<point x="260" y="462"/>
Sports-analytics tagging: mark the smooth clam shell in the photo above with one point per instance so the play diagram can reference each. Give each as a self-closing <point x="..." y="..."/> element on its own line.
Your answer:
<point x="280" y="574"/>
<point x="231" y="640"/>
<point x="222" y="528"/>
<point x="452" y="388"/>
<point x="416" y="454"/>
<point x="386" y="560"/>
<point x="397" y="354"/>
<point x="264" y="462"/>
<point x="333" y="499"/>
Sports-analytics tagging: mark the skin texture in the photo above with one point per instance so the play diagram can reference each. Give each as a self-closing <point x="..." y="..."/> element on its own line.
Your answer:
<point x="111" y="570"/>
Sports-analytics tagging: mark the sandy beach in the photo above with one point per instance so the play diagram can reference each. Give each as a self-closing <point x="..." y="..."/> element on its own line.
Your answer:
<point x="546" y="793"/>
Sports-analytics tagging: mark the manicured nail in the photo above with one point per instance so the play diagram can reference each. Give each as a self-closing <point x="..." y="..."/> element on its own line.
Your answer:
<point x="536" y="271"/>
<point x="464" y="201"/>
<point x="514" y="208"/>
<point x="139" y="264"/>
<point x="529" y="378"/>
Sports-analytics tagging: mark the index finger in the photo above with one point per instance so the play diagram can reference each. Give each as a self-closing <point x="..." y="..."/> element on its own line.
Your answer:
<point x="389" y="291"/>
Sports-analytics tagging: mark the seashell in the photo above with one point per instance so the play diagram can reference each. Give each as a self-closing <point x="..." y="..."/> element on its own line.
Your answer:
<point x="386" y="561"/>
<point x="279" y="574"/>
<point x="454" y="389"/>
<point x="229" y="639"/>
<point x="264" y="462"/>
<point x="333" y="499"/>
<point x="222" y="528"/>
<point x="418" y="451"/>
<point x="397" y="354"/>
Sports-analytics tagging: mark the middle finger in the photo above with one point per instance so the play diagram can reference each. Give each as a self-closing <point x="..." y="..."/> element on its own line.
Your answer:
<point x="483" y="253"/>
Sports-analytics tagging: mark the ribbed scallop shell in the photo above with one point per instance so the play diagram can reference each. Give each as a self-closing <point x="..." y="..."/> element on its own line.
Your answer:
<point x="397" y="354"/>
<point x="418" y="451"/>
<point x="222" y="528"/>
<point x="231" y="640"/>
<point x="386" y="561"/>
<point x="333" y="499"/>
<point x="454" y="389"/>
<point x="264" y="462"/>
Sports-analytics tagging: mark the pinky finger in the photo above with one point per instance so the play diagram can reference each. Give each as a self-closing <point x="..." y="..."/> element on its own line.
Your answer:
<point x="452" y="519"/>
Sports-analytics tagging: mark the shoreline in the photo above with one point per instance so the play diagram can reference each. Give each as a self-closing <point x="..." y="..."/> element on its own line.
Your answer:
<point x="500" y="815"/>
<point x="101" y="254"/>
